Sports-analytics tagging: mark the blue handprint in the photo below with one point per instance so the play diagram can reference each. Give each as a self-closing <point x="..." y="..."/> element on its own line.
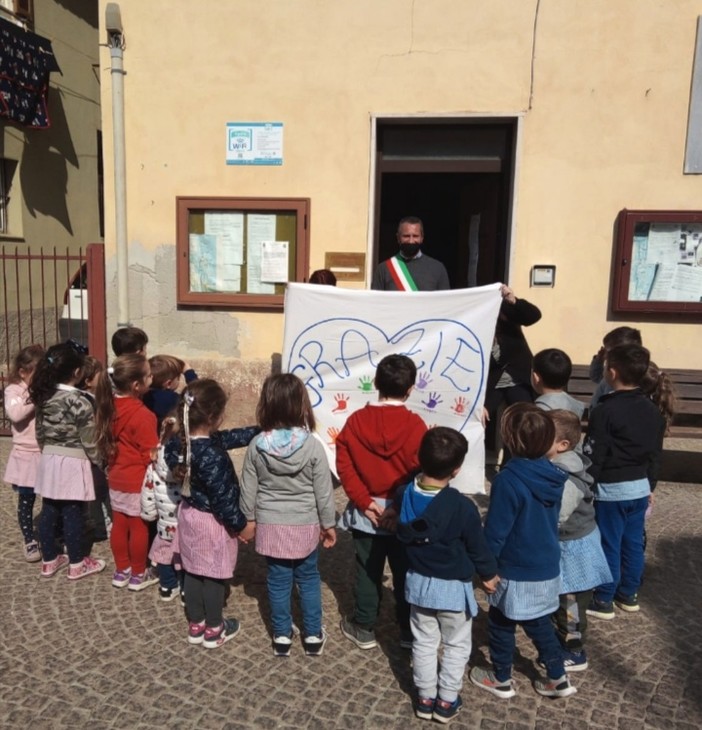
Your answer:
<point x="423" y="380"/>
<point x="434" y="400"/>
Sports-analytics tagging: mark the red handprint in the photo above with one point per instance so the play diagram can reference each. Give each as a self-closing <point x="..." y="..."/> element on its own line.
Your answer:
<point x="332" y="432"/>
<point x="341" y="402"/>
<point x="459" y="405"/>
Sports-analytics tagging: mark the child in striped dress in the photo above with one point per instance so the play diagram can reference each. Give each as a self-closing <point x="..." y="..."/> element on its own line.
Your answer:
<point x="521" y="529"/>
<point x="209" y="516"/>
<point x="288" y="498"/>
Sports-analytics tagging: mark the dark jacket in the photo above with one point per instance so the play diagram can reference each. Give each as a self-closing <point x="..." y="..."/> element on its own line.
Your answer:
<point x="521" y="527"/>
<point x="625" y="438"/>
<point x="214" y="486"/>
<point x="446" y="539"/>
<point x="515" y="355"/>
<point x="163" y="401"/>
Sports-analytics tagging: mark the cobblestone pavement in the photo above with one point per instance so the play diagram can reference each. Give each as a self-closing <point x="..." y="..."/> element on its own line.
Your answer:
<point x="85" y="655"/>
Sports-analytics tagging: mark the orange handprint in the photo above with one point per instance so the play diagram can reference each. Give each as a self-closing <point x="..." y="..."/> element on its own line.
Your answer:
<point x="332" y="433"/>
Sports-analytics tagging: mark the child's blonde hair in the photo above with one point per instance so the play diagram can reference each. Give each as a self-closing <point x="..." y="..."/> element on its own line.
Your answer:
<point x="165" y="368"/>
<point x="567" y="426"/>
<point x="658" y="386"/>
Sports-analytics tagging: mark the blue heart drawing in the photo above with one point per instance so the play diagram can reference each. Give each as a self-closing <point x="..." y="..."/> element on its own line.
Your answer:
<point x="332" y="351"/>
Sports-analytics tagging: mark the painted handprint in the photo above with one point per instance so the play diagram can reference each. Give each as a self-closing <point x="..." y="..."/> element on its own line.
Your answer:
<point x="332" y="433"/>
<point x="423" y="380"/>
<point x="365" y="383"/>
<point x="459" y="406"/>
<point x="342" y="402"/>
<point x="434" y="400"/>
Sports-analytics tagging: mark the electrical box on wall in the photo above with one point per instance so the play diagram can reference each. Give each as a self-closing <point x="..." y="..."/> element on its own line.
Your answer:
<point x="543" y="275"/>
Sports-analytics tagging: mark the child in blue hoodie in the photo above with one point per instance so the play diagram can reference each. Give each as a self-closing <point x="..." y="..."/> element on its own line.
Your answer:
<point x="521" y="529"/>
<point x="441" y="530"/>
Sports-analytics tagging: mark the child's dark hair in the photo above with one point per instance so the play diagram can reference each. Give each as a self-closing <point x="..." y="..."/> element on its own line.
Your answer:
<point x="527" y="431"/>
<point x="621" y="336"/>
<point x="630" y="361"/>
<point x="125" y="370"/>
<point x="323" y="276"/>
<point x="91" y="368"/>
<point x="26" y="359"/>
<point x="129" y="340"/>
<point x="567" y="426"/>
<point x="394" y="376"/>
<point x="58" y="365"/>
<point x="554" y="367"/>
<point x="442" y="451"/>
<point x="165" y="368"/>
<point x="284" y="403"/>
<point x="659" y="387"/>
<point x="206" y="401"/>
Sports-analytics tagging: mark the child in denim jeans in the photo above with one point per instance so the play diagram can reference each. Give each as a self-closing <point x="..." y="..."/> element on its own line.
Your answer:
<point x="624" y="440"/>
<point x="288" y="500"/>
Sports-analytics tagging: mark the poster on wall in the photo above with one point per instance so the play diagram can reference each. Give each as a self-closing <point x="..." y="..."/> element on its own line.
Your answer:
<point x="335" y="338"/>
<point x="254" y="143"/>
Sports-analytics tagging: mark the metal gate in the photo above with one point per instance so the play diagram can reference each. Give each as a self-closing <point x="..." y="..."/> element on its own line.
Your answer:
<point x="48" y="297"/>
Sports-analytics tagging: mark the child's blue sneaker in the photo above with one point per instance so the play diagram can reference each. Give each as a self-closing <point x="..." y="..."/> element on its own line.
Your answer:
<point x="424" y="709"/>
<point x="574" y="661"/>
<point x="445" y="711"/>
<point x="601" y="609"/>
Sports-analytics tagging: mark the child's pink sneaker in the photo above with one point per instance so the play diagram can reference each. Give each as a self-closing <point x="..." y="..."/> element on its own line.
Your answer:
<point x="196" y="632"/>
<point x="51" y="567"/>
<point x="87" y="566"/>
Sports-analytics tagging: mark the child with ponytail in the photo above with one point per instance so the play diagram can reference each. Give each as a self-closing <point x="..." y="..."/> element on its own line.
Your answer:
<point x="130" y="445"/>
<point x="209" y="517"/>
<point x="66" y="432"/>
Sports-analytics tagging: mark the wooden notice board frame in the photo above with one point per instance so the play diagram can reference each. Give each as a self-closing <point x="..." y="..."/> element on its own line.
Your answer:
<point x="221" y="244"/>
<point x="658" y="263"/>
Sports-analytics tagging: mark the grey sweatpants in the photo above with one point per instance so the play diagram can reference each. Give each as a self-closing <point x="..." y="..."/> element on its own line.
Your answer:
<point x="431" y="630"/>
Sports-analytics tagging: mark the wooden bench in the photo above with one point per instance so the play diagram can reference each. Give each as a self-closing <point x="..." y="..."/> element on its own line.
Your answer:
<point x="687" y="422"/>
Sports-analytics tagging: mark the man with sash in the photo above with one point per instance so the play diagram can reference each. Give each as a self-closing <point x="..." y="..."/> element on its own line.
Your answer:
<point x="410" y="269"/>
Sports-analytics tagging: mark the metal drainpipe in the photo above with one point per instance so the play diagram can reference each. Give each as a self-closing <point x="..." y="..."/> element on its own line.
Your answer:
<point x="115" y="42"/>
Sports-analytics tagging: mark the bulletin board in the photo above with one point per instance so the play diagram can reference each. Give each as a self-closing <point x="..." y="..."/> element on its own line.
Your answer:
<point x="658" y="262"/>
<point x="240" y="252"/>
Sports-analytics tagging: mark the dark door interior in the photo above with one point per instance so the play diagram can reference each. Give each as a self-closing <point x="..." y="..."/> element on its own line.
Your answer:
<point x="448" y="174"/>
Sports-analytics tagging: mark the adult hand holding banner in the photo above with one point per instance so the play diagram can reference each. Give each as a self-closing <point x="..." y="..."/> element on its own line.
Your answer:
<point x="335" y="338"/>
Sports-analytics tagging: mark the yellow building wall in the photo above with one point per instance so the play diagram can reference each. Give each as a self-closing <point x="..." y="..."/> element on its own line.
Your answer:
<point x="601" y="89"/>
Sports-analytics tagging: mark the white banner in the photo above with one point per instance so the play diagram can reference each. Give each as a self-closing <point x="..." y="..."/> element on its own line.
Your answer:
<point x="335" y="338"/>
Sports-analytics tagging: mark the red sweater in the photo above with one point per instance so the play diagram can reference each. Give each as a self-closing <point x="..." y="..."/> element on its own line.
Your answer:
<point x="376" y="452"/>
<point x="134" y="429"/>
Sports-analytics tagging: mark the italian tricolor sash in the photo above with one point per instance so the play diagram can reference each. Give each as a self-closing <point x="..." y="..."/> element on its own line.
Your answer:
<point x="401" y="274"/>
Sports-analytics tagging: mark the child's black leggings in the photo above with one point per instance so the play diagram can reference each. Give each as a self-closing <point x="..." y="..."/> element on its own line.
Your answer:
<point x="69" y="514"/>
<point x="25" y="512"/>
<point x="204" y="599"/>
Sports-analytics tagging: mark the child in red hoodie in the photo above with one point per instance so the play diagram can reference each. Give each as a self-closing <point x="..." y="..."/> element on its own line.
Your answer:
<point x="376" y="452"/>
<point x="134" y="440"/>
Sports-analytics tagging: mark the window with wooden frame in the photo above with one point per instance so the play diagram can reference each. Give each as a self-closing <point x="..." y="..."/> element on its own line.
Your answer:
<point x="240" y="252"/>
<point x="21" y="9"/>
<point x="658" y="263"/>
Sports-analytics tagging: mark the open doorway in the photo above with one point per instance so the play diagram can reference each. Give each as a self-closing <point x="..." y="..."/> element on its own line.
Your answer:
<point x="457" y="175"/>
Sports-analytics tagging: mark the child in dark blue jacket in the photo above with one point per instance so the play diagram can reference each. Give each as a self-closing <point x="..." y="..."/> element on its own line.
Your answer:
<point x="441" y="530"/>
<point x="521" y="529"/>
